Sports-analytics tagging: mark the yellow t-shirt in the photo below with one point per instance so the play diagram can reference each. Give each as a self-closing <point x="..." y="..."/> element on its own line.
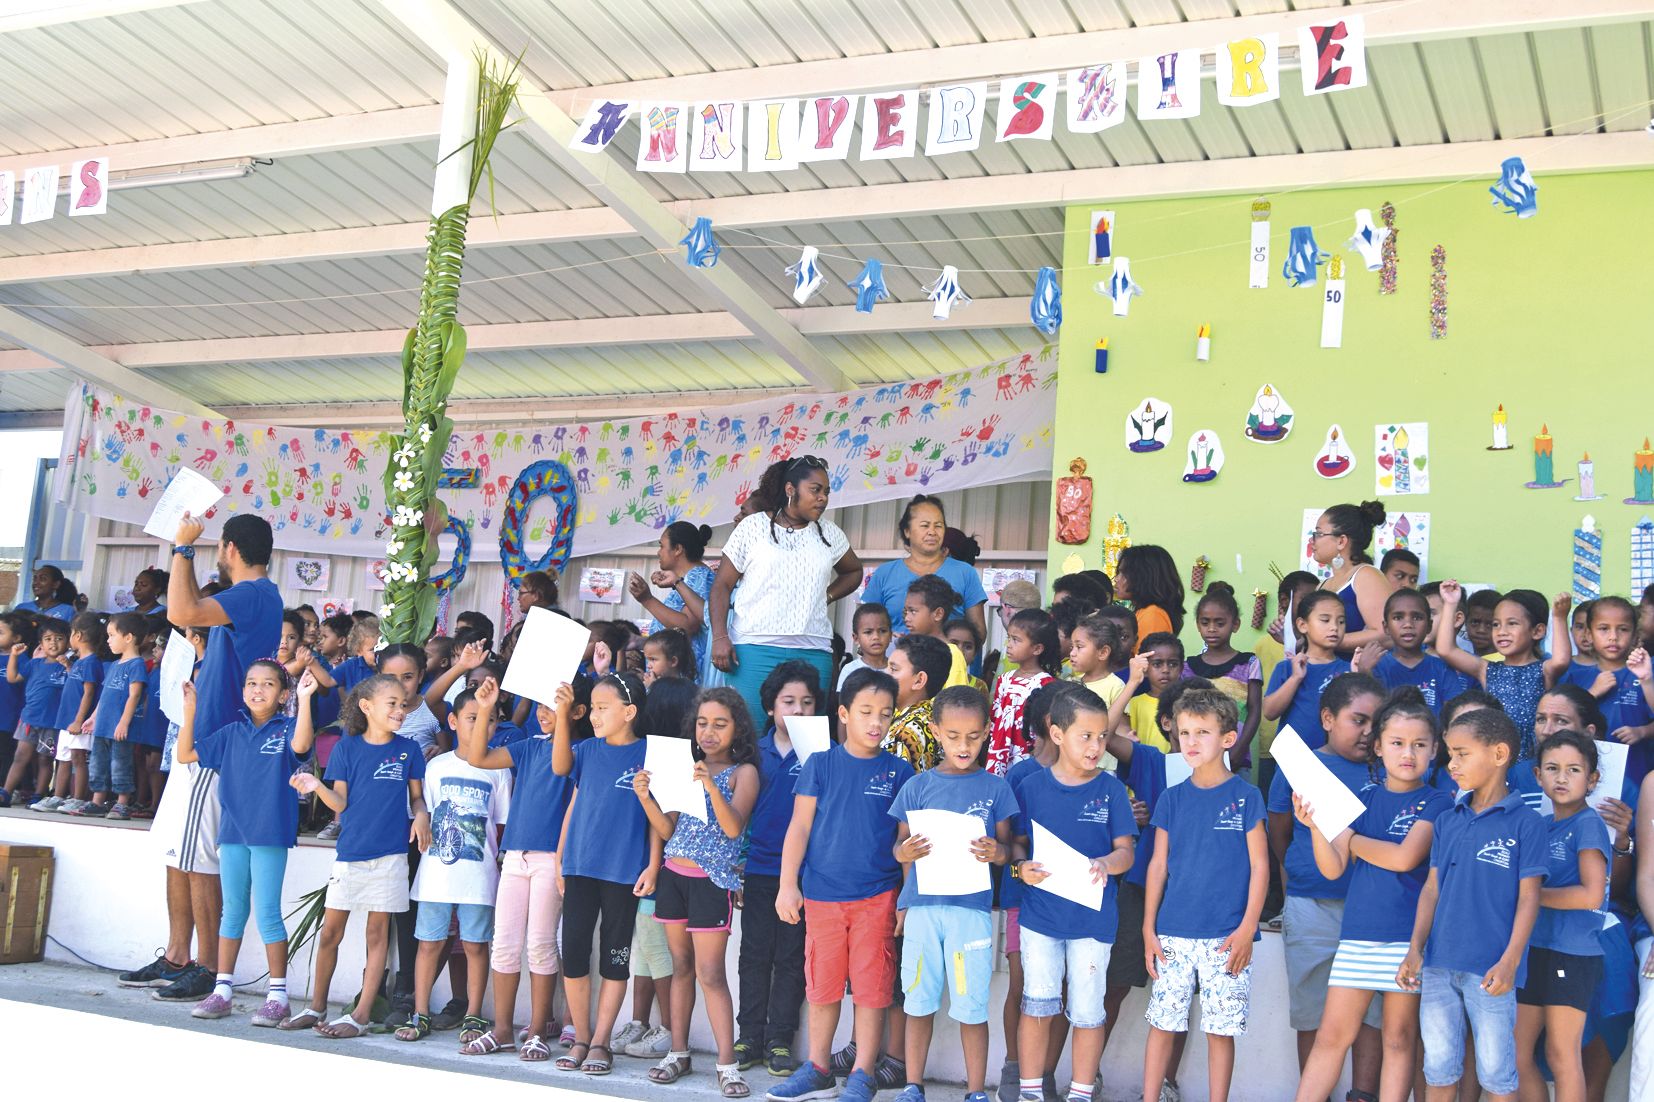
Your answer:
<point x="1269" y="653"/>
<point x="1109" y="688"/>
<point x="960" y="672"/>
<point x="1144" y="713"/>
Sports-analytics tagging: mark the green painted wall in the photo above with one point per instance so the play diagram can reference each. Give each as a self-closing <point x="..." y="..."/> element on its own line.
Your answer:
<point x="1551" y="316"/>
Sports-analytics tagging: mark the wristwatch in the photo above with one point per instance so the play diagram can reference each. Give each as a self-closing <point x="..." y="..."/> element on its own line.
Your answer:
<point x="1630" y="845"/>
<point x="187" y="552"/>
<point x="1016" y="869"/>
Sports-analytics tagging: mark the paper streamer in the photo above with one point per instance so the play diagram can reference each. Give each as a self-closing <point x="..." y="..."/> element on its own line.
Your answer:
<point x="1260" y="245"/>
<point x="1332" y="306"/>
<point x="1387" y="252"/>
<point x="1642" y="555"/>
<point x="1438" y="293"/>
<point x="1587" y="561"/>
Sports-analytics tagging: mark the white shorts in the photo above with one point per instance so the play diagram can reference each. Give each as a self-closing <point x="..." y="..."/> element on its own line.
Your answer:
<point x="67" y="742"/>
<point x="1188" y="963"/>
<point x="186" y="823"/>
<point x="377" y="885"/>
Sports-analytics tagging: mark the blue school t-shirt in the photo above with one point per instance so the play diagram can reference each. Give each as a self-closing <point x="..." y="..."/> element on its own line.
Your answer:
<point x="1381" y="904"/>
<point x="64" y="611"/>
<point x="376" y="816"/>
<point x="1434" y="678"/>
<point x="1146" y="777"/>
<point x="254" y="764"/>
<point x="982" y="794"/>
<point x="539" y="796"/>
<point x="608" y="836"/>
<point x="1010" y="888"/>
<point x="117" y="684"/>
<point x="85" y="671"/>
<point x="773" y="811"/>
<point x="1572" y="931"/>
<point x="11" y="702"/>
<point x="1304" y="713"/>
<point x="150" y="729"/>
<point x="851" y="854"/>
<point x="350" y="673"/>
<point x="1480" y="862"/>
<point x="254" y="631"/>
<point x="888" y="587"/>
<point x="1626" y="706"/>
<point x="1209" y="875"/>
<point x="1088" y="817"/>
<point x="42" y="690"/>
<point x="1303" y="878"/>
<point x="324" y="705"/>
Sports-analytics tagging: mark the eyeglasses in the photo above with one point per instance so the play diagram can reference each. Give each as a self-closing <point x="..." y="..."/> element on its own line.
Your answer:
<point x="815" y="461"/>
<point x="1319" y="535"/>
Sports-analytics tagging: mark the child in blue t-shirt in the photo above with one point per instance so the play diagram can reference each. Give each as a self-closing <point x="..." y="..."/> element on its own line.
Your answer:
<point x="1620" y="681"/>
<point x="1565" y="959"/>
<point x="120" y="709"/>
<point x="375" y="782"/>
<point x="15" y="630"/>
<point x="1521" y="675"/>
<point x="1407" y="623"/>
<point x="43" y="676"/>
<point x="1294" y="693"/>
<point x="1468" y="953"/>
<point x="18" y="637"/>
<point x="1385" y="852"/>
<point x="948" y="936"/>
<point x="841" y="881"/>
<point x="1072" y="810"/>
<point x="74" y="715"/>
<point x="1204" y="894"/>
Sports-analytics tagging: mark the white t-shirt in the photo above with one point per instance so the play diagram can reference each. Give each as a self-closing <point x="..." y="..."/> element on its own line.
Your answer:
<point x="782" y="601"/>
<point x="468" y="805"/>
<point x="420" y="725"/>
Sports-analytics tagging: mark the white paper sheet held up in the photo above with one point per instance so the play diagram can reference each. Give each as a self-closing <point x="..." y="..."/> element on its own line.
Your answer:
<point x="1069" y="868"/>
<point x="672" y="782"/>
<point x="1335" y="806"/>
<point x="1179" y="770"/>
<point x="177" y="663"/>
<point x="810" y="735"/>
<point x="548" y="654"/>
<point x="188" y="492"/>
<point x="950" y="868"/>
<point x="1611" y="757"/>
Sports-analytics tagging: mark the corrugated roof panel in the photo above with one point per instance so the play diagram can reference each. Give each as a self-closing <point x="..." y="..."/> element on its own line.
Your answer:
<point x="1625" y="80"/>
<point x="27" y="391"/>
<point x="1566" y="82"/>
<point x="1506" y="63"/>
<point x="1455" y="84"/>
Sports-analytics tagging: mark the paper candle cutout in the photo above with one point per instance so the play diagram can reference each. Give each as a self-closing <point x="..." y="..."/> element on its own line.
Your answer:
<point x="1121" y="287"/>
<point x="1336" y="460"/>
<point x="1270" y="418"/>
<point x="1197" y="574"/>
<point x="1387" y="252"/>
<point x="1102" y="237"/>
<point x="1403" y="455"/>
<point x="1102" y="356"/>
<point x="1332" y="306"/>
<point x="1544" y="469"/>
<point x="1368" y="240"/>
<point x="946" y="293"/>
<point x="1303" y="256"/>
<point x="1516" y="189"/>
<point x="1642" y="555"/>
<point x="807" y="275"/>
<point x="1115" y="540"/>
<point x="1045" y="308"/>
<point x="1074" y="505"/>
<point x="1501" y="431"/>
<point x="869" y="286"/>
<point x="1260" y="608"/>
<point x="1205" y="457"/>
<point x="700" y="251"/>
<point x="1149" y="426"/>
<point x="1259" y="275"/>
<point x="1438" y="293"/>
<point x="1587" y="480"/>
<point x="1203" y="344"/>
<point x="1587" y="560"/>
<point x="1642" y="477"/>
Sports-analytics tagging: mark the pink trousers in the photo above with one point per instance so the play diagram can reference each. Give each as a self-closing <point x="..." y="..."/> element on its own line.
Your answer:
<point x="526" y="909"/>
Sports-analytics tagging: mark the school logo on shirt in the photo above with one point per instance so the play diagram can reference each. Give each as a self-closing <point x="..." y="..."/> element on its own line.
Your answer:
<point x="392" y="769"/>
<point x="797" y="767"/>
<point x="881" y="784"/>
<point x="273" y="744"/>
<point x="625" y="778"/>
<point x="1403" y="822"/>
<point x="1096" y="811"/>
<point x="1496" y="852"/>
<point x="1427" y="689"/>
<point x="1559" y="847"/>
<point x="1232" y="817"/>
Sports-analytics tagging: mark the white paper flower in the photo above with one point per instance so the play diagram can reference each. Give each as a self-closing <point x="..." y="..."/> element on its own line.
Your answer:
<point x="404" y="481"/>
<point x="405" y="517"/>
<point x="405" y="453"/>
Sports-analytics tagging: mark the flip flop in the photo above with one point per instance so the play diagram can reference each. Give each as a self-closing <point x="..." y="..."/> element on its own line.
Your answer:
<point x="304" y="1019"/>
<point x="336" y="1029"/>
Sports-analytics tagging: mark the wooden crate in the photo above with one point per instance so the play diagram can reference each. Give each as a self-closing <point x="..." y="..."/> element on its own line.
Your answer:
<point x="25" y="901"/>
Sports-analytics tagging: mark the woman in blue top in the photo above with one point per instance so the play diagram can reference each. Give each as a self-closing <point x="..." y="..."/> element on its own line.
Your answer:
<point x="688" y="583"/>
<point x="1341" y="543"/>
<point x="54" y="595"/>
<point x="923" y="528"/>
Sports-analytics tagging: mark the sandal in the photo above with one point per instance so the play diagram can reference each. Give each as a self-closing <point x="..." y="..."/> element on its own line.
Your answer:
<point x="730" y="1083"/>
<point x="484" y="1044"/>
<point x="534" y="1051"/>
<point x="417" y="1029"/>
<point x="566" y="1038"/>
<point x="342" y="1028"/>
<point x="672" y="1067"/>
<point x="304" y="1019"/>
<point x="567" y="1061"/>
<point x="593" y="1066"/>
<point x="471" y="1027"/>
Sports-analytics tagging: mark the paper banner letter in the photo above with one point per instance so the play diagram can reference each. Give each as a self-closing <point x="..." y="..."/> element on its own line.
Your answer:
<point x="887" y="129"/>
<point x="945" y="293"/>
<point x="773" y="136"/>
<point x="603" y="121"/>
<point x="807" y="275"/>
<point x="1259" y="273"/>
<point x="1102" y="237"/>
<point x="8" y="195"/>
<point x="1249" y="71"/>
<point x="1168" y="86"/>
<point x="1096" y="97"/>
<point x="716" y="137"/>
<point x="1333" y="56"/>
<point x="955" y="121"/>
<point x="39" y="193"/>
<point x="824" y="128"/>
<point x="1332" y="306"/>
<point x="1027" y="108"/>
<point x="89" y="187"/>
<point x="663" y="145"/>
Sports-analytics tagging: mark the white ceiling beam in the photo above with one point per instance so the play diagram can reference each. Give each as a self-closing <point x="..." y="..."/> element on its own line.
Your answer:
<point x="23" y="15"/>
<point x="656" y="329"/>
<point x="63" y="352"/>
<point x="1179" y="179"/>
<point x="446" y="32"/>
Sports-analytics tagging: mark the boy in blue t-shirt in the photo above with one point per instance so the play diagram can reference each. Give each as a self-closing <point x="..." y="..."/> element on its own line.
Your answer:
<point x="1071" y="809"/>
<point x="1204" y="894"/>
<point x="1407" y="623"/>
<point x="948" y="938"/>
<point x="1470" y="938"/>
<point x="842" y="881"/>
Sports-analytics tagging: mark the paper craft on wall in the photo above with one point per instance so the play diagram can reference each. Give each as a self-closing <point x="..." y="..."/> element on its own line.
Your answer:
<point x="1027" y="108"/>
<point x="1403" y="454"/>
<point x="602" y="585"/>
<point x="888" y="125"/>
<point x="945" y="293"/>
<point x="1587" y="480"/>
<point x="1405" y="532"/>
<point x="1270" y="418"/>
<point x="825" y="125"/>
<point x="1387" y="251"/>
<point x="335" y="606"/>
<point x="1249" y="71"/>
<point x="1544" y="461"/>
<point x="1587" y="560"/>
<point x="1332" y="57"/>
<point x="600" y="126"/>
<point x="996" y="578"/>
<point x="1149" y="426"/>
<point x="1642" y="476"/>
<point x="120" y="599"/>
<point x="1332" y="306"/>
<point x="1045" y="307"/>
<point x="954" y="122"/>
<point x="1116" y="538"/>
<point x="1074" y="505"/>
<point x="807" y="275"/>
<point x="373" y="575"/>
<point x="1096" y="97"/>
<point x="89" y="187"/>
<point x="8" y="195"/>
<point x="1176" y="94"/>
<point x="1073" y="563"/>
<point x="1258" y="277"/>
<point x="308" y="572"/>
<point x="1303" y="257"/>
<point x="1516" y="189"/>
<point x="1642" y="555"/>
<point x="664" y="144"/>
<point x="1197" y="574"/>
<point x="1121" y="287"/>
<point x="1101" y="361"/>
<point x="1501" y="430"/>
<point x="1335" y="459"/>
<point x="1203" y="344"/>
<point x="1438" y="293"/>
<point x="772" y="135"/>
<point x="1260" y="608"/>
<point x="39" y="193"/>
<point x="1368" y="240"/>
<point x="1205" y="457"/>
<point x="1102" y="237"/>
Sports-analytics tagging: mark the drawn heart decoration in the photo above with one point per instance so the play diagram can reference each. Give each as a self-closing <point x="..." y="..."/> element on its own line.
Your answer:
<point x="601" y="585"/>
<point x="309" y="571"/>
<point x="1387" y="461"/>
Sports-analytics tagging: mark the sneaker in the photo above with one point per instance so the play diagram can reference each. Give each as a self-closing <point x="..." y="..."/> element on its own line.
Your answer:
<point x="50" y="803"/>
<point x="89" y="809"/>
<point x="913" y="1092"/>
<point x="449" y="1017"/>
<point x="196" y="983"/>
<point x="890" y="1073"/>
<point x="5" y="798"/>
<point x="329" y="833"/>
<point x="633" y="1032"/>
<point x="213" y="1006"/>
<point x="157" y="973"/>
<point x="1171" y="1092"/>
<point x="780" y="1061"/>
<point x="977" y="1096"/>
<point x="860" y="1087"/>
<point x="844" y="1060"/>
<point x="71" y="805"/>
<point x="120" y="813"/>
<point x="401" y="1008"/>
<point x="272" y="1013"/>
<point x="806" y="1083"/>
<point x="1010" y="1082"/>
<point x="653" y="1045"/>
<point x="1049" y="1091"/>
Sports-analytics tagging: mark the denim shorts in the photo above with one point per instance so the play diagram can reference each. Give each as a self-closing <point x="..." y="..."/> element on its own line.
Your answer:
<point x="948" y="949"/>
<point x="434" y="920"/>
<point x="1047" y="961"/>
<point x="1447" y="998"/>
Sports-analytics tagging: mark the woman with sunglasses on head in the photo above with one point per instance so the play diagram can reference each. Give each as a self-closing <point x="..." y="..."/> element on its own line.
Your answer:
<point x="923" y="528"/>
<point x="1342" y="538"/>
<point x="790" y="564"/>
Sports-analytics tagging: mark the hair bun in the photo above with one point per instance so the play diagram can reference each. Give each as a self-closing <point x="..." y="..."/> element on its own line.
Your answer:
<point x="1220" y="587"/>
<point x="705" y="532"/>
<point x="1374" y="512"/>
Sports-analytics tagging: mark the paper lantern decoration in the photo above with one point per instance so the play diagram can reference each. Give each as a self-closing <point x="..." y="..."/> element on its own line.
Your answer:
<point x="1045" y="308"/>
<point x="807" y="275"/>
<point x="1303" y="257"/>
<point x="945" y="293"/>
<point x="1516" y="189"/>
<point x="700" y="251"/>
<point x="869" y="286"/>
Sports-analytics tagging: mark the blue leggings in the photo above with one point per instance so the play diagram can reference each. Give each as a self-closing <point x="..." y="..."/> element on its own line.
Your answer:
<point x="249" y="872"/>
<point x="753" y="663"/>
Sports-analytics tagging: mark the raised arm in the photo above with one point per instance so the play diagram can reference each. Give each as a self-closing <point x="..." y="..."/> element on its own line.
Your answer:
<point x="1276" y="703"/>
<point x="662" y="823"/>
<point x="304" y="728"/>
<point x="1562" y="641"/>
<point x="185" y="606"/>
<point x="474" y="737"/>
<point x="685" y="621"/>
<point x="18" y="650"/>
<point x="185" y="747"/>
<point x="1447" y="638"/>
<point x="562" y="738"/>
<point x="1138" y="669"/>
